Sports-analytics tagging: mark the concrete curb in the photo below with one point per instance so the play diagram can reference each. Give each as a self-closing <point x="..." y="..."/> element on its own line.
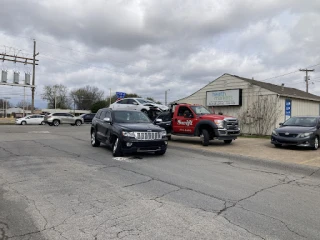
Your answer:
<point x="282" y="166"/>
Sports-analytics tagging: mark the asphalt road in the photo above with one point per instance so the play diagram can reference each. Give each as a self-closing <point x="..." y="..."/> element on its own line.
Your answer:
<point x="54" y="185"/>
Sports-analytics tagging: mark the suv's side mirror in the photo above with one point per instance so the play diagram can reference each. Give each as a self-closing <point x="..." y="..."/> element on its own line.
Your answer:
<point x="107" y="120"/>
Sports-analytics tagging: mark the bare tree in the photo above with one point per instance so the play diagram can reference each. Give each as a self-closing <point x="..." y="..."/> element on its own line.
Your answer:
<point x="261" y="115"/>
<point x="57" y="96"/>
<point x="24" y="104"/>
<point x="85" y="97"/>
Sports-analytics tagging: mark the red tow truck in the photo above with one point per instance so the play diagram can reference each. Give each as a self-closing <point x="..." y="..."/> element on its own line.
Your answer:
<point x="196" y="120"/>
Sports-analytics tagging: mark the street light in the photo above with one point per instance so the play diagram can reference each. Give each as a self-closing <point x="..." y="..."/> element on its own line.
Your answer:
<point x="165" y="96"/>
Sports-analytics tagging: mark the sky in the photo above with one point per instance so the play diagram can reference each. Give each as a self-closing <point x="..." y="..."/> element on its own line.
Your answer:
<point x="149" y="47"/>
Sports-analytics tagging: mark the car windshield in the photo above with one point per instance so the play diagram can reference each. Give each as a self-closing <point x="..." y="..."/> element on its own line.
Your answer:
<point x="301" y="121"/>
<point x="200" y="110"/>
<point x="130" y="117"/>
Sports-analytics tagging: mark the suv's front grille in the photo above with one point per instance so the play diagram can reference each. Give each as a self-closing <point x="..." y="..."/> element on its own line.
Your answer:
<point x="231" y="123"/>
<point x="147" y="135"/>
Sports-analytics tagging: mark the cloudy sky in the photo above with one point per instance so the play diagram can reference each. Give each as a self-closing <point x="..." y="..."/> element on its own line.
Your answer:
<point x="150" y="46"/>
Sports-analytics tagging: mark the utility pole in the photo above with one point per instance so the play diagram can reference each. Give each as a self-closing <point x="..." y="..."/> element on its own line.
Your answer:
<point x="307" y="80"/>
<point x="33" y="75"/>
<point x="165" y="96"/>
<point x="110" y="98"/>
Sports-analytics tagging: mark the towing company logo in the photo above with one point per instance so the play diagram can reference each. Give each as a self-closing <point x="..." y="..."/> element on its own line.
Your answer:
<point x="185" y="123"/>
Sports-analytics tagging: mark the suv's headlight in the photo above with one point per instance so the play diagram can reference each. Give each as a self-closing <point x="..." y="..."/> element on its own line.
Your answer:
<point x="274" y="133"/>
<point x="163" y="133"/>
<point x="305" y="134"/>
<point x="219" y="123"/>
<point x="128" y="134"/>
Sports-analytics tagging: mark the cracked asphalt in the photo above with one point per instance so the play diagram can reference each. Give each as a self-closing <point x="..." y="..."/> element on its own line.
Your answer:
<point x="54" y="185"/>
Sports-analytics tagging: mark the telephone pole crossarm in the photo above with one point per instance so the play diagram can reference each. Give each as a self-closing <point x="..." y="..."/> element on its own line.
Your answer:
<point x="307" y="80"/>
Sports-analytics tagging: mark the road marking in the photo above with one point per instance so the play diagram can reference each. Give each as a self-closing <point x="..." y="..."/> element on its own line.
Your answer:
<point x="127" y="159"/>
<point x="311" y="160"/>
<point x="39" y="132"/>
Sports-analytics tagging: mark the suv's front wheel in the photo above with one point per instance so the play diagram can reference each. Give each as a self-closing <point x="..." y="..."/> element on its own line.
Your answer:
<point x="116" y="148"/>
<point x="94" y="141"/>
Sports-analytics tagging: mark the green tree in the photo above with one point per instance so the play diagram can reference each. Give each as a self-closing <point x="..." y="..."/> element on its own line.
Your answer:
<point x="84" y="97"/>
<point x="100" y="104"/>
<point x="56" y="96"/>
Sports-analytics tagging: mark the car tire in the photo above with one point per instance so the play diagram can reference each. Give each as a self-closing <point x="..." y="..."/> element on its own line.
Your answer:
<point x="169" y="137"/>
<point x="23" y="123"/>
<point x="204" y="137"/>
<point x="227" y="141"/>
<point x="50" y="124"/>
<point x="78" y="123"/>
<point x="278" y="145"/>
<point x="315" y="145"/>
<point x="56" y="123"/>
<point x="43" y="123"/>
<point x="94" y="141"/>
<point x="116" y="148"/>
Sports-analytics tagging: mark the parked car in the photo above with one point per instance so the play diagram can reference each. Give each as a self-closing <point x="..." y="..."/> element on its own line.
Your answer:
<point x="31" y="119"/>
<point x="139" y="104"/>
<point x="55" y="119"/>
<point x="301" y="131"/>
<point x="87" y="117"/>
<point x="127" y="131"/>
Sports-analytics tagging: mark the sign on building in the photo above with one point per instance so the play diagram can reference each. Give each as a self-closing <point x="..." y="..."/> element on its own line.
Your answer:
<point x="224" y="98"/>
<point x="287" y="109"/>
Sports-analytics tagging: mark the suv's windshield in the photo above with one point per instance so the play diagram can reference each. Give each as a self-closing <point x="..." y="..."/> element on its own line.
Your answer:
<point x="200" y="110"/>
<point x="301" y="121"/>
<point x="130" y="117"/>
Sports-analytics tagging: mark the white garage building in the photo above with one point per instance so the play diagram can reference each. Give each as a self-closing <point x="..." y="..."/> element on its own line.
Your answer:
<point x="259" y="106"/>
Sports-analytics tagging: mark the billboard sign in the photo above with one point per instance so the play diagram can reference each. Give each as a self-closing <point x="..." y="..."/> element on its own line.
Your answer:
<point x="231" y="97"/>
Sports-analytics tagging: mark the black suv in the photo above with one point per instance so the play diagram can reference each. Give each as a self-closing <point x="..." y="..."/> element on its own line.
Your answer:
<point x="127" y="131"/>
<point x="301" y="131"/>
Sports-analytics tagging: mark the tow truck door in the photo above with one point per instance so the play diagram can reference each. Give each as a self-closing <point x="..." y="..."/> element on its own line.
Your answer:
<point x="181" y="123"/>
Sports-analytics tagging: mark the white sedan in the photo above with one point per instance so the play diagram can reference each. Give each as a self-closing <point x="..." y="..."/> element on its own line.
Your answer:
<point x="31" y="119"/>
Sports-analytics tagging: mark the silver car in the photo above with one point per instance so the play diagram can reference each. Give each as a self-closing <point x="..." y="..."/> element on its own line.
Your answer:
<point x="31" y="119"/>
<point x="55" y="119"/>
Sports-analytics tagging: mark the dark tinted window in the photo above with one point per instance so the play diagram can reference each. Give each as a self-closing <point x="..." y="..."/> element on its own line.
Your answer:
<point x="103" y="115"/>
<point x="68" y="115"/>
<point x="123" y="101"/>
<point x="98" y="113"/>
<point x="108" y="114"/>
<point x="130" y="117"/>
<point x="130" y="101"/>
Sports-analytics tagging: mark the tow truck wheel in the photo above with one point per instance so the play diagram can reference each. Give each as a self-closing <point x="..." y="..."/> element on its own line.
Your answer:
<point x="204" y="137"/>
<point x="227" y="141"/>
